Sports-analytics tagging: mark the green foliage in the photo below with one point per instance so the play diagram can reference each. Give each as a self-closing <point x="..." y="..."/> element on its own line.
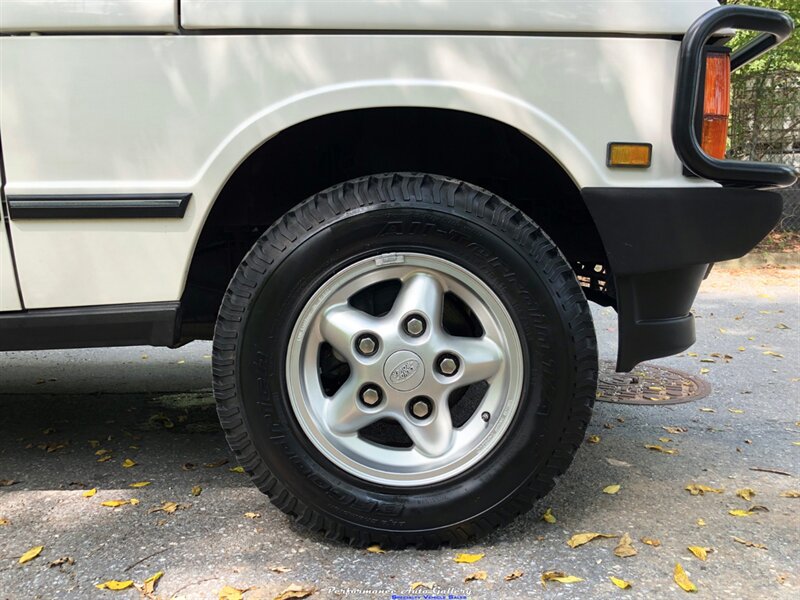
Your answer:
<point x="785" y="56"/>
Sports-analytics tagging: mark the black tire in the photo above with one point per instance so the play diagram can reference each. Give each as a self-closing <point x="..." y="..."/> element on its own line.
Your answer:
<point x="404" y="212"/>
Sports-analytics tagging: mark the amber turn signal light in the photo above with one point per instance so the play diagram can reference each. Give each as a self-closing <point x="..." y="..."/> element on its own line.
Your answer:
<point x="621" y="154"/>
<point x="716" y="104"/>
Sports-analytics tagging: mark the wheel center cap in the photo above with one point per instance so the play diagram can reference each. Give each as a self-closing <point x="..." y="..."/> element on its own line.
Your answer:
<point x="404" y="370"/>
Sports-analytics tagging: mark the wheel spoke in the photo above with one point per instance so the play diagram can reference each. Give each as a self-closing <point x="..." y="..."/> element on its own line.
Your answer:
<point x="482" y="358"/>
<point x="340" y="324"/>
<point x="435" y="437"/>
<point x="421" y="293"/>
<point x="344" y="413"/>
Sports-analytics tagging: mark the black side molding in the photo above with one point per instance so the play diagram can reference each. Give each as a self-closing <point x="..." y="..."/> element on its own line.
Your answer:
<point x="153" y="323"/>
<point x="777" y="28"/>
<point x="136" y="206"/>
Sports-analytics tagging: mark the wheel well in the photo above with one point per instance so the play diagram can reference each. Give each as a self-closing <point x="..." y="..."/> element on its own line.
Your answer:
<point x="315" y="154"/>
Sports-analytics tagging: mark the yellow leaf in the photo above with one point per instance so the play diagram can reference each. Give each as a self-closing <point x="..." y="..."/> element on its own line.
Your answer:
<point x="579" y="539"/>
<point x="664" y="440"/>
<point x="31" y="554"/>
<point x="197" y="490"/>
<point x="790" y="494"/>
<point x="691" y="354"/>
<point x="476" y="576"/>
<point x="696" y="489"/>
<point x="113" y="584"/>
<point x="701" y="523"/>
<point x="795" y="443"/>
<point x="169" y="507"/>
<point x="102" y="452"/>
<point x="699" y="552"/>
<point x="746" y="493"/>
<point x="651" y="542"/>
<point x="128" y="463"/>
<point x="593" y="439"/>
<point x="134" y="501"/>
<point x="682" y="579"/>
<point x="376" y="549"/>
<point x="140" y="484"/>
<point x="741" y="348"/>
<point x="114" y="503"/>
<point x="149" y="585"/>
<point x="514" y="575"/>
<point x="736" y="411"/>
<point x="230" y="593"/>
<point x="738" y="512"/>
<point x="558" y="576"/>
<point x="236" y="469"/>
<point x="704" y="370"/>
<point x="749" y="544"/>
<point x="611" y="489"/>
<point x="771" y="353"/>
<point x="620" y="583"/>
<point x="279" y="569"/>
<point x="625" y="549"/>
<point x="468" y="558"/>
<point x="674" y="430"/>
<point x="548" y="516"/>
<point x="4" y="522"/>
<point x="295" y="591"/>
<point x="660" y="449"/>
<point x="252" y="515"/>
<point x="707" y="410"/>
<point x="421" y="584"/>
<point x="105" y="458"/>
<point x="90" y="493"/>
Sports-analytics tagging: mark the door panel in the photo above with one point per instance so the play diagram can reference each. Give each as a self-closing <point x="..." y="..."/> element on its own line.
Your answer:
<point x="9" y="296"/>
<point x="19" y="16"/>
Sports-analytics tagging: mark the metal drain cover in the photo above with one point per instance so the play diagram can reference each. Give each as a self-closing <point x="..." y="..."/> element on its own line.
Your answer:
<point x="649" y="384"/>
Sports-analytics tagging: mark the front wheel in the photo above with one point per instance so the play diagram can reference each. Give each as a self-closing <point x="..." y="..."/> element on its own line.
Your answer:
<point x="404" y="359"/>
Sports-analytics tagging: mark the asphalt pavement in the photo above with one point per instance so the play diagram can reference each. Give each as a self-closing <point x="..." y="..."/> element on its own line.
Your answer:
<point x="63" y="412"/>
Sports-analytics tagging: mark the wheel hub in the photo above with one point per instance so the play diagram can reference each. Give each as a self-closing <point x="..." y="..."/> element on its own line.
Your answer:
<point x="404" y="366"/>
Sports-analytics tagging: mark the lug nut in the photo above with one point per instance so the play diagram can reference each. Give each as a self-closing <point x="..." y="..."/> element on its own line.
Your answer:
<point x="370" y="395"/>
<point x="367" y="345"/>
<point x="448" y="365"/>
<point x="421" y="407"/>
<point x="414" y="325"/>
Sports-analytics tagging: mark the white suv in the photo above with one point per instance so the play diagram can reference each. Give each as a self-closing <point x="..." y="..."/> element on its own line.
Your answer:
<point x="388" y="215"/>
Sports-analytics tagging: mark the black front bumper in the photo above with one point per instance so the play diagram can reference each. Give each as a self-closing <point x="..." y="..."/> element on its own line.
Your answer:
<point x="660" y="243"/>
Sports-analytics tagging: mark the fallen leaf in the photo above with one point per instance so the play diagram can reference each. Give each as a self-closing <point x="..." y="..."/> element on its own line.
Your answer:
<point x="758" y="508"/>
<point x="559" y="576"/>
<point x="651" y="542"/>
<point x="64" y="560"/>
<point x="468" y="558"/>
<point x="698" y="489"/>
<point x="673" y="430"/>
<point x="620" y="583"/>
<point x="31" y="554"/>
<point x="252" y="515"/>
<point x="168" y="507"/>
<point x="215" y="464"/>
<point x="140" y="484"/>
<point x="701" y="523"/>
<point x="749" y="544"/>
<point x="514" y="575"/>
<point x="102" y="452"/>
<point x="89" y="493"/>
<point x="741" y="348"/>
<point x="4" y="522"/>
<point x="188" y="466"/>
<point x="579" y="539"/>
<point x="593" y="439"/>
<point x="7" y="482"/>
<point x="230" y="593"/>
<point x="105" y="458"/>
<point x="736" y="411"/>
<point x="746" y="493"/>
<point x="699" y="551"/>
<point x="611" y="489"/>
<point x="134" y="501"/>
<point x="660" y="449"/>
<point x="279" y="569"/>
<point x="625" y="548"/>
<point x="128" y="463"/>
<point x="617" y="463"/>
<point x="418" y="584"/>
<point x="738" y="512"/>
<point x="196" y="490"/>
<point x="682" y="579"/>
<point x="376" y="549"/>
<point x="113" y="584"/>
<point x="149" y="585"/>
<point x="782" y="326"/>
<point x="771" y="353"/>
<point x="790" y="494"/>
<point x="548" y="516"/>
<point x="664" y="440"/>
<point x="116" y="503"/>
<point x="236" y="469"/>
<point x="476" y="576"/>
<point x="704" y="370"/>
<point x="707" y="410"/>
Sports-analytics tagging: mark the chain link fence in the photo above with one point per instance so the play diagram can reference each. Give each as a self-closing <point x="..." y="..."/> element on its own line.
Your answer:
<point x="765" y="126"/>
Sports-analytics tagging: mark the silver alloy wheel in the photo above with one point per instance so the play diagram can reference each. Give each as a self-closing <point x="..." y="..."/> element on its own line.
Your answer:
<point x="405" y="368"/>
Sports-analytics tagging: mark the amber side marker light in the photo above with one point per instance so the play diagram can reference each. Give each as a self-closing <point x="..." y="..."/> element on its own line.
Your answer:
<point x="621" y="154"/>
<point x="716" y="104"/>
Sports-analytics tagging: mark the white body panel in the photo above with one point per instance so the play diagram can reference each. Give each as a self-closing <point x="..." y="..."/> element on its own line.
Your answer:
<point x="607" y="16"/>
<point x="88" y="15"/>
<point x="178" y="113"/>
